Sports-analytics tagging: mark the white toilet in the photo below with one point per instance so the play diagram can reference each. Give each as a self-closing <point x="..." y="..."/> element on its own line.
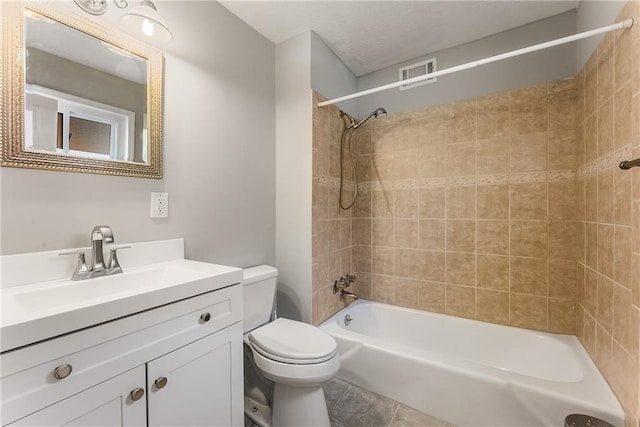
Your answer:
<point x="296" y="356"/>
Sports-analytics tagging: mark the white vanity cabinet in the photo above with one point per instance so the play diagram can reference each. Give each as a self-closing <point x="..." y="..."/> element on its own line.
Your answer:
<point x="179" y="364"/>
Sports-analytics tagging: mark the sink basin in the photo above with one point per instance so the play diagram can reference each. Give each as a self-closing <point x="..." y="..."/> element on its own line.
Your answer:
<point x="69" y="293"/>
<point x="39" y="311"/>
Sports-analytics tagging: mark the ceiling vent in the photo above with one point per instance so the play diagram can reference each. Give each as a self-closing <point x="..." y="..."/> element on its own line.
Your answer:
<point x="418" y="69"/>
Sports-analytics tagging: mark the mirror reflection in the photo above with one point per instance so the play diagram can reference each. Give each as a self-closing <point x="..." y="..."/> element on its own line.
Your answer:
<point x="83" y="96"/>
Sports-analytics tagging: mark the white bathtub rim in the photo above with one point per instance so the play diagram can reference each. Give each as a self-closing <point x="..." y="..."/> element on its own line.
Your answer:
<point x="563" y="338"/>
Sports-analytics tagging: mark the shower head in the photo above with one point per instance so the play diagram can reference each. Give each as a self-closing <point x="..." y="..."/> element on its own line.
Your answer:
<point x="379" y="112"/>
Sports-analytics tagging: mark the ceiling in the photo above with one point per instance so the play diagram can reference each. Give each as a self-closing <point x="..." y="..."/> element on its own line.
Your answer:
<point x="371" y="35"/>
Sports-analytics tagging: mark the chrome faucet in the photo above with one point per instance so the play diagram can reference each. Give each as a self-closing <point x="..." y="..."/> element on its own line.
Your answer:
<point x="340" y="285"/>
<point x="347" y="295"/>
<point x="100" y="235"/>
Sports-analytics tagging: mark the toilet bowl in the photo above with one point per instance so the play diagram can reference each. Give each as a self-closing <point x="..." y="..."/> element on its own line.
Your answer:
<point x="296" y="356"/>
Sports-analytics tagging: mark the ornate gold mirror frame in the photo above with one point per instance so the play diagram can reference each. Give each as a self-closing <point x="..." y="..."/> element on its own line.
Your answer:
<point x="12" y="93"/>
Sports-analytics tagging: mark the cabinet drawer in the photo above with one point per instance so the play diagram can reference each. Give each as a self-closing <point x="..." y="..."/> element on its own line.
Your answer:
<point x="106" y="404"/>
<point x="26" y="386"/>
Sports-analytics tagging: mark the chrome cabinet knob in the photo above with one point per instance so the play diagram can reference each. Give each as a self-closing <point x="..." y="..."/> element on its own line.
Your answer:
<point x="136" y="394"/>
<point x="161" y="382"/>
<point x="205" y="317"/>
<point x="62" y="372"/>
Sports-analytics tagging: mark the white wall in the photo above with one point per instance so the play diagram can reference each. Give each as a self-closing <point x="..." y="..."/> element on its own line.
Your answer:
<point x="219" y="170"/>
<point x="593" y="14"/>
<point x="303" y="63"/>
<point x="294" y="152"/>
<point x="329" y="76"/>
<point x="544" y="66"/>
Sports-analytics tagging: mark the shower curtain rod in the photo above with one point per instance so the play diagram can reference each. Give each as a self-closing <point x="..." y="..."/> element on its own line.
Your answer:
<point x="620" y="25"/>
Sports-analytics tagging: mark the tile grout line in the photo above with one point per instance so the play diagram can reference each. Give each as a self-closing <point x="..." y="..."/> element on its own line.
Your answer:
<point x="446" y="211"/>
<point x="596" y="113"/>
<point x="510" y="302"/>
<point x="341" y="396"/>
<point x="582" y="187"/>
<point x="394" y="414"/>
<point x="475" y="223"/>
<point x="548" y="217"/>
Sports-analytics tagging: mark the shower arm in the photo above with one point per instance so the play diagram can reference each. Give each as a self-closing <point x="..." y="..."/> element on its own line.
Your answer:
<point x="363" y="120"/>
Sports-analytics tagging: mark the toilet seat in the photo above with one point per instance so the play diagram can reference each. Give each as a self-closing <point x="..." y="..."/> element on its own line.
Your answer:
<point x="296" y="374"/>
<point x="292" y="342"/>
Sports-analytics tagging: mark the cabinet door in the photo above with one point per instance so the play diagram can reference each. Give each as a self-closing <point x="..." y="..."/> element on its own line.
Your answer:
<point x="106" y="404"/>
<point x="199" y="384"/>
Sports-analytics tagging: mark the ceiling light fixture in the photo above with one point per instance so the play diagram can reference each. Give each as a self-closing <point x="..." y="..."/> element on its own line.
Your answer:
<point x="146" y="18"/>
<point x="98" y="7"/>
<point x="143" y="19"/>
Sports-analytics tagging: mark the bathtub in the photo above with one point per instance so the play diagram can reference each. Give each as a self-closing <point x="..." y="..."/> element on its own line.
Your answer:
<point x="467" y="372"/>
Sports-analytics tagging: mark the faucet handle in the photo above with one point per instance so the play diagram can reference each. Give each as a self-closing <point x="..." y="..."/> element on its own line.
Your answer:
<point x="337" y="286"/>
<point x="114" y="264"/>
<point x="81" y="270"/>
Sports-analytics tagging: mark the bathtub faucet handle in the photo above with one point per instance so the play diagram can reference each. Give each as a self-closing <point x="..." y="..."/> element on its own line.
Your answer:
<point x="343" y="282"/>
<point x="337" y="286"/>
<point x="347" y="280"/>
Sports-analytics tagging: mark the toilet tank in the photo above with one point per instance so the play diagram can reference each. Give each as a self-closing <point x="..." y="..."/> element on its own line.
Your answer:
<point x="258" y="293"/>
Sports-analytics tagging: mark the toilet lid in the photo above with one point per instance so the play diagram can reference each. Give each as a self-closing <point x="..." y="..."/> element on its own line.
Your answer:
<point x="290" y="341"/>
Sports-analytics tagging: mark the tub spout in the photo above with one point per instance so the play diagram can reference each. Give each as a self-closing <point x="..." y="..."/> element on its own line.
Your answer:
<point x="347" y="295"/>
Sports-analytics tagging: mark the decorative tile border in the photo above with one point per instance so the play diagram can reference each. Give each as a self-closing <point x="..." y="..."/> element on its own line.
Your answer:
<point x="456" y="181"/>
<point x="492" y="179"/>
<point x="560" y="176"/>
<point x="518" y="178"/>
<point x="605" y="162"/>
<point x="327" y="181"/>
<point x="452" y="181"/>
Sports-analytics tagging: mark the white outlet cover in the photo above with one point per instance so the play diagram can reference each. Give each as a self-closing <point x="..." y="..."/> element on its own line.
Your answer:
<point x="159" y="205"/>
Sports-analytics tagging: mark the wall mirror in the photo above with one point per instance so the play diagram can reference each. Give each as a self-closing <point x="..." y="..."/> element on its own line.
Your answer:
<point x="77" y="96"/>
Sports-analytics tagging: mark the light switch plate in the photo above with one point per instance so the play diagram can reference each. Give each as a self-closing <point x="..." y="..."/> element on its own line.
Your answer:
<point x="159" y="205"/>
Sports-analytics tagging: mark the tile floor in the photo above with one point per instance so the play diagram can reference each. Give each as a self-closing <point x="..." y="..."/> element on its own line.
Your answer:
<point x="352" y="406"/>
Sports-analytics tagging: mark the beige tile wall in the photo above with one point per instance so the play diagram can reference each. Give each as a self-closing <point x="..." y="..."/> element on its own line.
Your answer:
<point x="331" y="226"/>
<point x="466" y="209"/>
<point x="608" y="207"/>
<point x="470" y="208"/>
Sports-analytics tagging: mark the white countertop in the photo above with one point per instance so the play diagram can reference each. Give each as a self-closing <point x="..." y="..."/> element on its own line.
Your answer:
<point x="33" y="312"/>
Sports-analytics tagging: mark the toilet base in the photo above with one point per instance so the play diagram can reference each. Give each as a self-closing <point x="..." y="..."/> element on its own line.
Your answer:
<point x="258" y="413"/>
<point x="299" y="407"/>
